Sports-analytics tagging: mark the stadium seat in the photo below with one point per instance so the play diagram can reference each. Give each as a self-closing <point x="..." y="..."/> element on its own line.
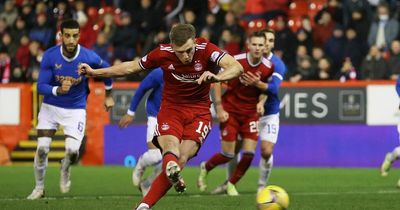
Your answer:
<point x="298" y="8"/>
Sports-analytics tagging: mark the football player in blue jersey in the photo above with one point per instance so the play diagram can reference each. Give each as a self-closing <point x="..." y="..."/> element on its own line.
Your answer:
<point x="395" y="154"/>
<point x="268" y="108"/>
<point x="65" y="96"/>
<point x="152" y="157"/>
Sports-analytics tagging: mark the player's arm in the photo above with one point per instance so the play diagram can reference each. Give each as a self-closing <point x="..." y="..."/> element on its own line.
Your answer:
<point x="260" y="105"/>
<point x="222" y="115"/>
<point x="45" y="78"/>
<point x="124" y="68"/>
<point x="147" y="84"/>
<point x="232" y="69"/>
<point x="108" y="100"/>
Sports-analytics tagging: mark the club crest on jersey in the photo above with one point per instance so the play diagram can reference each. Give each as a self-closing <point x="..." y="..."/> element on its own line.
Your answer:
<point x="171" y="67"/>
<point x="57" y="66"/>
<point x="198" y="66"/>
<point x="164" y="126"/>
<point x="224" y="132"/>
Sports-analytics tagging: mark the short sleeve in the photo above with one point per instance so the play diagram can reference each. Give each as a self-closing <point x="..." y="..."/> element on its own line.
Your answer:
<point x="214" y="53"/>
<point x="151" y="60"/>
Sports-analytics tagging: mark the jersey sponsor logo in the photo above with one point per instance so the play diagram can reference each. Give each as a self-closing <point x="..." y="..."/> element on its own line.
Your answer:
<point x="171" y="67"/>
<point x="57" y="66"/>
<point x="214" y="56"/>
<point x="186" y="77"/>
<point x="198" y="66"/>
<point x="164" y="126"/>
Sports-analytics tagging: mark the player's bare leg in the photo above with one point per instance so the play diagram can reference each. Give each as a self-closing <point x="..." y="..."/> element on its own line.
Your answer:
<point x="40" y="163"/>
<point x="265" y="164"/>
<point x="71" y="156"/>
<point x="228" y="152"/>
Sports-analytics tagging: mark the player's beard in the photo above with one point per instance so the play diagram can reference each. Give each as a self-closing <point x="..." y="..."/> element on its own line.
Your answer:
<point x="69" y="51"/>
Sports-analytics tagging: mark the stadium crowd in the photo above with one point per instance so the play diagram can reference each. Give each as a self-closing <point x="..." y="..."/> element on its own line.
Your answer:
<point x="317" y="39"/>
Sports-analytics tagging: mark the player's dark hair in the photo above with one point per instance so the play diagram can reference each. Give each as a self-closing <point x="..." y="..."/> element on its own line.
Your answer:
<point x="181" y="33"/>
<point x="257" y="34"/>
<point x="268" y="30"/>
<point x="70" y="24"/>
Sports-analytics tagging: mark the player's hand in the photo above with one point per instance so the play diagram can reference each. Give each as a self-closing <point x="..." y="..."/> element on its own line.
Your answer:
<point x="85" y="70"/>
<point x="260" y="108"/>
<point x="126" y="120"/>
<point x="222" y="115"/>
<point x="207" y="77"/>
<point x="108" y="103"/>
<point x="249" y="78"/>
<point x="65" y="87"/>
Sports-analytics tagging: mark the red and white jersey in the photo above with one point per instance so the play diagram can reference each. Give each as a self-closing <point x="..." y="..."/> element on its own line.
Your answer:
<point x="180" y="86"/>
<point x="243" y="99"/>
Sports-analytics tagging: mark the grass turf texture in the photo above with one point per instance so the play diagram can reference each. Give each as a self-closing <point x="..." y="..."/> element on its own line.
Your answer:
<point x="110" y="188"/>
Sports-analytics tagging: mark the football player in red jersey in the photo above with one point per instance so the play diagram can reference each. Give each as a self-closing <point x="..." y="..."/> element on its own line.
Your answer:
<point x="184" y="119"/>
<point x="238" y="114"/>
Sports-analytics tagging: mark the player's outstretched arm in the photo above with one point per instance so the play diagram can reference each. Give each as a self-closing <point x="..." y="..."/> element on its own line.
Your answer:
<point x="124" y="68"/>
<point x="222" y="115"/>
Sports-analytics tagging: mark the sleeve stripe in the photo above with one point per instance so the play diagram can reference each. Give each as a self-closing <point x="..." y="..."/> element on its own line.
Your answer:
<point x="141" y="65"/>
<point x="220" y="57"/>
<point x="108" y="87"/>
<point x="277" y="75"/>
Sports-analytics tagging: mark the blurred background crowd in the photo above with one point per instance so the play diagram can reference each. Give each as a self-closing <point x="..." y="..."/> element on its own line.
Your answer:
<point x="317" y="39"/>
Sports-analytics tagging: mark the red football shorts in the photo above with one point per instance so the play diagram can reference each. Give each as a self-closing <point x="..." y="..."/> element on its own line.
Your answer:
<point x="184" y="123"/>
<point x="243" y="125"/>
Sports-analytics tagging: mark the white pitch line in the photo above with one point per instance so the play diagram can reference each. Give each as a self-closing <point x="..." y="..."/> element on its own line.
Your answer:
<point x="203" y="195"/>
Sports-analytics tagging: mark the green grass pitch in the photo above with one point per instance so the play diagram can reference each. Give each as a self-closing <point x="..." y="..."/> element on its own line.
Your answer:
<point x="105" y="188"/>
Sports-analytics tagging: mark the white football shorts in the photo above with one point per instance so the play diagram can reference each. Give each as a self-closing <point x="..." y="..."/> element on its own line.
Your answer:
<point x="151" y="127"/>
<point x="73" y="120"/>
<point x="269" y="128"/>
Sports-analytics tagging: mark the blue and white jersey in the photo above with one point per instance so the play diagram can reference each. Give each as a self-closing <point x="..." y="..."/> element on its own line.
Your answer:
<point x="271" y="106"/>
<point x="398" y="86"/>
<point x="154" y="82"/>
<point x="55" y="68"/>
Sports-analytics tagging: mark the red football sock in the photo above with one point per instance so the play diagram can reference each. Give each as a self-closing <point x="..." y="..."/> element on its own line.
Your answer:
<point x="158" y="189"/>
<point x="242" y="167"/>
<point x="216" y="160"/>
<point x="169" y="156"/>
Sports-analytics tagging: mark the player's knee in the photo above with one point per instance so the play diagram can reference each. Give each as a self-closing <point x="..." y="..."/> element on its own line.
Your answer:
<point x="266" y="153"/>
<point x="72" y="148"/>
<point x="42" y="151"/>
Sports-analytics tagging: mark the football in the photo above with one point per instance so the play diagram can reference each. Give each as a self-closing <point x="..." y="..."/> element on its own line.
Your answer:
<point x="272" y="197"/>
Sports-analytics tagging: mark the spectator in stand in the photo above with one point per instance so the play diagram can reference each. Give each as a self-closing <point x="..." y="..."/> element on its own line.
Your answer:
<point x="361" y="25"/>
<point x="374" y="67"/>
<point x="384" y="29"/>
<point x="305" y="69"/>
<point x="304" y="38"/>
<point x="7" y="42"/>
<point x="5" y="66"/>
<point x="22" y="55"/>
<point x="351" y="5"/>
<point x="42" y="32"/>
<point x="228" y="43"/>
<point x="347" y="71"/>
<point x="211" y="27"/>
<point x="19" y="29"/>
<point x="89" y="35"/>
<point x="161" y="37"/>
<point x="335" y="8"/>
<point x="10" y="12"/>
<point x="323" y="28"/>
<point x="102" y="47"/>
<point x="285" y="44"/>
<point x="324" y="69"/>
<point x="334" y="47"/>
<point x="3" y="27"/>
<point x="147" y="18"/>
<point x="35" y="57"/>
<point x="109" y="26"/>
<point x="394" y="60"/>
<point x="18" y="75"/>
<point x="125" y="39"/>
<point x="353" y="48"/>
<point x="316" y="55"/>
<point x="231" y="23"/>
<point x="28" y="15"/>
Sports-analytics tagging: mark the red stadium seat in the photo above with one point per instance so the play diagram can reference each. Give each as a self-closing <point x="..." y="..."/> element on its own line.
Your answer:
<point x="298" y="8"/>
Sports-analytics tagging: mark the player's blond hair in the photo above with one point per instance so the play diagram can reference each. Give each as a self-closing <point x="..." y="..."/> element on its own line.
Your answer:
<point x="180" y="33"/>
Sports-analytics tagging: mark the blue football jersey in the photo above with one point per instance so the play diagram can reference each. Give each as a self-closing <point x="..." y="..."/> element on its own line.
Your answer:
<point x="154" y="82"/>
<point x="272" y="104"/>
<point x="55" y="68"/>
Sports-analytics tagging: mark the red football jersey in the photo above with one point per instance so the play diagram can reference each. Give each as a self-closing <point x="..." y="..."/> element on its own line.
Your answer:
<point x="243" y="99"/>
<point x="180" y="86"/>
